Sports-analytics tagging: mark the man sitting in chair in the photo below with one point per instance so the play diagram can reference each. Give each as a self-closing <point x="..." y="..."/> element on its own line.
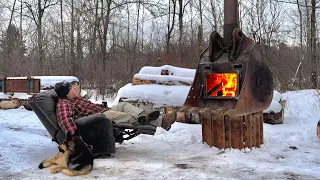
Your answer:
<point x="71" y="106"/>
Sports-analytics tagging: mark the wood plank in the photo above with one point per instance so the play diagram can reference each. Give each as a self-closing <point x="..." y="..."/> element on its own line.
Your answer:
<point x="227" y="123"/>
<point x="257" y="129"/>
<point x="248" y="132"/>
<point x="236" y="132"/>
<point x="218" y="129"/>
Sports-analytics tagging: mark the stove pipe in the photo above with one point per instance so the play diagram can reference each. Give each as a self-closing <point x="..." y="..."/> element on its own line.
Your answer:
<point x="231" y="19"/>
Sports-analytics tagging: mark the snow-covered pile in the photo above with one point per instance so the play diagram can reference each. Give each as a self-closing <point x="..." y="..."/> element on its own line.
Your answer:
<point x="275" y="105"/>
<point x="290" y="150"/>
<point x="159" y="94"/>
<point x="172" y="70"/>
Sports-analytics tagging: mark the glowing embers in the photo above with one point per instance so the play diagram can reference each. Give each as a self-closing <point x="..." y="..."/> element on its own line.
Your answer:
<point x="221" y="85"/>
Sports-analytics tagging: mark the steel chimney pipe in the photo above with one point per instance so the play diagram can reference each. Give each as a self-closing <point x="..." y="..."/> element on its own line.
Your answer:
<point x="231" y="19"/>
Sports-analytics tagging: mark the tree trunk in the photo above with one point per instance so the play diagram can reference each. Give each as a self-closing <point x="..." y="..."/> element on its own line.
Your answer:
<point x="40" y="68"/>
<point x="314" y="77"/>
<point x="170" y="28"/>
<point x="200" y="30"/>
<point x="72" y="54"/>
<point x="127" y="44"/>
<point x="180" y="21"/>
<point x="104" y="47"/>
<point x="79" y="44"/>
<point x="301" y="46"/>
<point x="135" y="43"/>
<point x="62" y="34"/>
<point x="14" y="5"/>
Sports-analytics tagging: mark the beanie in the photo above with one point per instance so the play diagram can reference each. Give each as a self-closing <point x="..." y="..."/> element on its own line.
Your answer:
<point x="62" y="89"/>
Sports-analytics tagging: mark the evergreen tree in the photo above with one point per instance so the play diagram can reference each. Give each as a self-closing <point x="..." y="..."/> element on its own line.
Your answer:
<point x="12" y="53"/>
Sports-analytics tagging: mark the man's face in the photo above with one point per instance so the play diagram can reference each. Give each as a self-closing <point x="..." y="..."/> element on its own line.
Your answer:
<point x="73" y="92"/>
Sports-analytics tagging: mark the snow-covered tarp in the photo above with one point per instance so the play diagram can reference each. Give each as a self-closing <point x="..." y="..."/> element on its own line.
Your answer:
<point x="290" y="150"/>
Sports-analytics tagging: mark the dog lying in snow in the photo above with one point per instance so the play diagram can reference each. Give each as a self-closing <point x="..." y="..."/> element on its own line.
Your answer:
<point x="72" y="159"/>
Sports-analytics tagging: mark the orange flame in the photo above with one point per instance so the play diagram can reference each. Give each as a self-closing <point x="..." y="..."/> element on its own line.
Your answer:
<point x="221" y="84"/>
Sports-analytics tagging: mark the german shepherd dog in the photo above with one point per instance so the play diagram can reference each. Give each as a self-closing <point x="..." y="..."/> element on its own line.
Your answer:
<point x="71" y="160"/>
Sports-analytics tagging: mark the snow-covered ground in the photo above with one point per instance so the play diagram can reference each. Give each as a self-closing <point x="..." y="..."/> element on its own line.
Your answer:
<point x="290" y="150"/>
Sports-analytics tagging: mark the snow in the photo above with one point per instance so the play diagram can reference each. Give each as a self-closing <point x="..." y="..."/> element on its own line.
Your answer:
<point x="158" y="94"/>
<point x="275" y="107"/>
<point x="174" y="71"/>
<point x="290" y="150"/>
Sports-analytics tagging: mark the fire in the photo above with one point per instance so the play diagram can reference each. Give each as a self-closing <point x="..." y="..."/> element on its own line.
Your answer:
<point x="221" y="85"/>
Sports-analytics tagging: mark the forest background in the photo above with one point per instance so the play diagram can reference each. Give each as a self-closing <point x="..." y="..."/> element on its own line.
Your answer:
<point x="105" y="42"/>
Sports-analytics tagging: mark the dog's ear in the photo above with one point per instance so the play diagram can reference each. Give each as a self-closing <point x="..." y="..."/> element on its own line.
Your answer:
<point x="61" y="148"/>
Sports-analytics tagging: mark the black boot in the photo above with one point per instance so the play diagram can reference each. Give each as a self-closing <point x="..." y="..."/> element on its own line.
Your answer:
<point x="144" y="117"/>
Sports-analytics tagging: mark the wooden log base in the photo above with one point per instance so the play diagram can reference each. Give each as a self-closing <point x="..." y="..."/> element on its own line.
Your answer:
<point x="226" y="131"/>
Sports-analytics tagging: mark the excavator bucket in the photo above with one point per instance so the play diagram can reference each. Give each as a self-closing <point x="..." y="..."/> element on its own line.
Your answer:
<point x="231" y="88"/>
<point x="232" y="78"/>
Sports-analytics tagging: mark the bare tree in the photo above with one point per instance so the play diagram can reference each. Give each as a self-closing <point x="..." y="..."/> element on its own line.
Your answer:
<point x="170" y="26"/>
<point x="37" y="16"/>
<point x="314" y="76"/>
<point x="73" y="66"/>
<point x="62" y="32"/>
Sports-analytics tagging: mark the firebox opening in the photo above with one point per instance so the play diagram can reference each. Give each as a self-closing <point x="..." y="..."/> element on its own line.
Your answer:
<point x="222" y="85"/>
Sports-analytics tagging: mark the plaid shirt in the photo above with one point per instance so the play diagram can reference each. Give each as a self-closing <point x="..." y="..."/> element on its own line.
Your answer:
<point x="68" y="110"/>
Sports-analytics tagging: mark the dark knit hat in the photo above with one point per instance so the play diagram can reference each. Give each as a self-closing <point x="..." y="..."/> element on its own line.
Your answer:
<point x="62" y="89"/>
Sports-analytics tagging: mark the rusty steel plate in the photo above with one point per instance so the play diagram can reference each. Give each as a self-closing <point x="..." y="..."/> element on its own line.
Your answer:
<point x="20" y="85"/>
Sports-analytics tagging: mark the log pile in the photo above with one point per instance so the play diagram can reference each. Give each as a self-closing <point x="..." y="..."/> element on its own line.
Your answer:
<point x="169" y="80"/>
<point x="14" y="103"/>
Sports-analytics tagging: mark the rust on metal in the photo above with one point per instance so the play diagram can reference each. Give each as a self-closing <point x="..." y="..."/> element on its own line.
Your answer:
<point x="238" y="132"/>
<point x="230" y="106"/>
<point x="255" y="83"/>
<point x="29" y="85"/>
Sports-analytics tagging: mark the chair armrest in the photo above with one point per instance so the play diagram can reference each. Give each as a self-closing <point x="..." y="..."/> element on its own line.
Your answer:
<point x="91" y="119"/>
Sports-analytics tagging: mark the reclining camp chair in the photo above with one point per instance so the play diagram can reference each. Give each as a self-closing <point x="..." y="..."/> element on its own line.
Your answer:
<point x="96" y="130"/>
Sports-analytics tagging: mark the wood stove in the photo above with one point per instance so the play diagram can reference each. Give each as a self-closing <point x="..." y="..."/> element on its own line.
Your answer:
<point x="231" y="88"/>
